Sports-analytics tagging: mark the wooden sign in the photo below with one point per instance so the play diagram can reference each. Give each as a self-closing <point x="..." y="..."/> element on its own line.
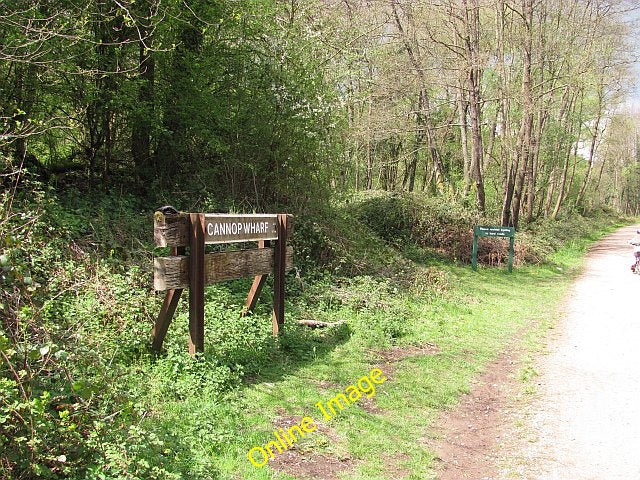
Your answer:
<point x="173" y="230"/>
<point x="239" y="228"/>
<point x="483" y="231"/>
<point x="179" y="271"/>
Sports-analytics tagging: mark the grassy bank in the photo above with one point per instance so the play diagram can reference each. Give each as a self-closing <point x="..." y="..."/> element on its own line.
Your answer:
<point x="85" y="398"/>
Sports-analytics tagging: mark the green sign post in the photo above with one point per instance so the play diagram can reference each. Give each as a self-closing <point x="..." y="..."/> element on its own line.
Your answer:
<point x="482" y="231"/>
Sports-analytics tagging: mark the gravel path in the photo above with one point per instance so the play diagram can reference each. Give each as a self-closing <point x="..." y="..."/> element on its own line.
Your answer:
<point x="585" y="421"/>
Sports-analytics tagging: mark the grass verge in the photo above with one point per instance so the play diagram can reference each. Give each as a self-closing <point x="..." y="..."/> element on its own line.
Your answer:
<point x="448" y="339"/>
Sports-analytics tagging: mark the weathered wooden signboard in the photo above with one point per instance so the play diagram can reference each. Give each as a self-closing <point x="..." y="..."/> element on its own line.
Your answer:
<point x="240" y="228"/>
<point x="195" y="230"/>
<point x="483" y="231"/>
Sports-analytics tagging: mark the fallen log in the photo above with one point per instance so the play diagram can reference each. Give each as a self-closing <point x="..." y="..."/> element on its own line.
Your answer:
<point x="319" y="324"/>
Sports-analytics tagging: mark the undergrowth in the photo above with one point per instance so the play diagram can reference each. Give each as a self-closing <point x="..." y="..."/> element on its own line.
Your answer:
<point x="83" y="397"/>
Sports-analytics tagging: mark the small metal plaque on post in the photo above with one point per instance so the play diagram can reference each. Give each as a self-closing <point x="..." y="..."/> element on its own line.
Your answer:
<point x="486" y="231"/>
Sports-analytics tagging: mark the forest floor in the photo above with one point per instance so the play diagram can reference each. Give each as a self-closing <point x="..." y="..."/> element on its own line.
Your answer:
<point x="575" y="415"/>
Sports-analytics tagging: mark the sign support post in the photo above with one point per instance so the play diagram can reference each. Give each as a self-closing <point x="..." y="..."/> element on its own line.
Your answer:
<point x="511" y="242"/>
<point x="256" y="287"/>
<point x="278" y="273"/>
<point x="196" y="283"/>
<point x="474" y="253"/>
<point x="168" y="309"/>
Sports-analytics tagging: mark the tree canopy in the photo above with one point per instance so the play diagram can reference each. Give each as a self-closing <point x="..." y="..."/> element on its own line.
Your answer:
<point x="502" y="104"/>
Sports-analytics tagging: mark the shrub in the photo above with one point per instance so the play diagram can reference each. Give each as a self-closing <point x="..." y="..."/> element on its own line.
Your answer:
<point x="398" y="218"/>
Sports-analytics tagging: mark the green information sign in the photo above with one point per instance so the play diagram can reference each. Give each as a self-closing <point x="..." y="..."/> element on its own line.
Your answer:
<point x="484" y="231"/>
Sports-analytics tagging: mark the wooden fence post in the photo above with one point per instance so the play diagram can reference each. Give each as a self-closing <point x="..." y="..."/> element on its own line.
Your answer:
<point x="196" y="283"/>
<point x="511" y="242"/>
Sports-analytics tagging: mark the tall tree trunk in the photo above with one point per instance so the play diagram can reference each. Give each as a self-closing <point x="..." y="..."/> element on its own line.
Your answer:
<point x="508" y="188"/>
<point x="474" y="73"/>
<point x="369" y="177"/>
<point x="563" y="182"/>
<point x="578" y="121"/>
<point x="569" y="125"/>
<point x="413" y="166"/>
<point x="602" y="163"/>
<point x="356" y="150"/>
<point x="592" y="147"/>
<point x="550" y="192"/>
<point x="493" y="122"/>
<point x="527" y="116"/>
<point x="20" y="143"/>
<point x="508" y="160"/>
<point x="534" y="165"/>
<point x="466" y="159"/>
<point x="440" y="176"/>
<point x="98" y="111"/>
<point x="141" y="130"/>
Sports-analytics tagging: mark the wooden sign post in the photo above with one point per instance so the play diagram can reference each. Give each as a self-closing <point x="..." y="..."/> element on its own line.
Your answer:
<point x="175" y="273"/>
<point x="481" y="231"/>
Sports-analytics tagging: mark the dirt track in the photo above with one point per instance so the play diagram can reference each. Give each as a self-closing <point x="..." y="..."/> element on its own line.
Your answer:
<point x="585" y="421"/>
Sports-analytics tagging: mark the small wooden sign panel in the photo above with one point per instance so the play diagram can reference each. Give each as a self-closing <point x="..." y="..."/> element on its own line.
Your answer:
<point x="240" y="228"/>
<point x="179" y="271"/>
<point x="484" y="231"/>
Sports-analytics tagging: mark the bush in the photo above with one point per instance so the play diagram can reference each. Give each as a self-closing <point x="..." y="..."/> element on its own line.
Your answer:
<point x="398" y="218"/>
<point x="76" y="314"/>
